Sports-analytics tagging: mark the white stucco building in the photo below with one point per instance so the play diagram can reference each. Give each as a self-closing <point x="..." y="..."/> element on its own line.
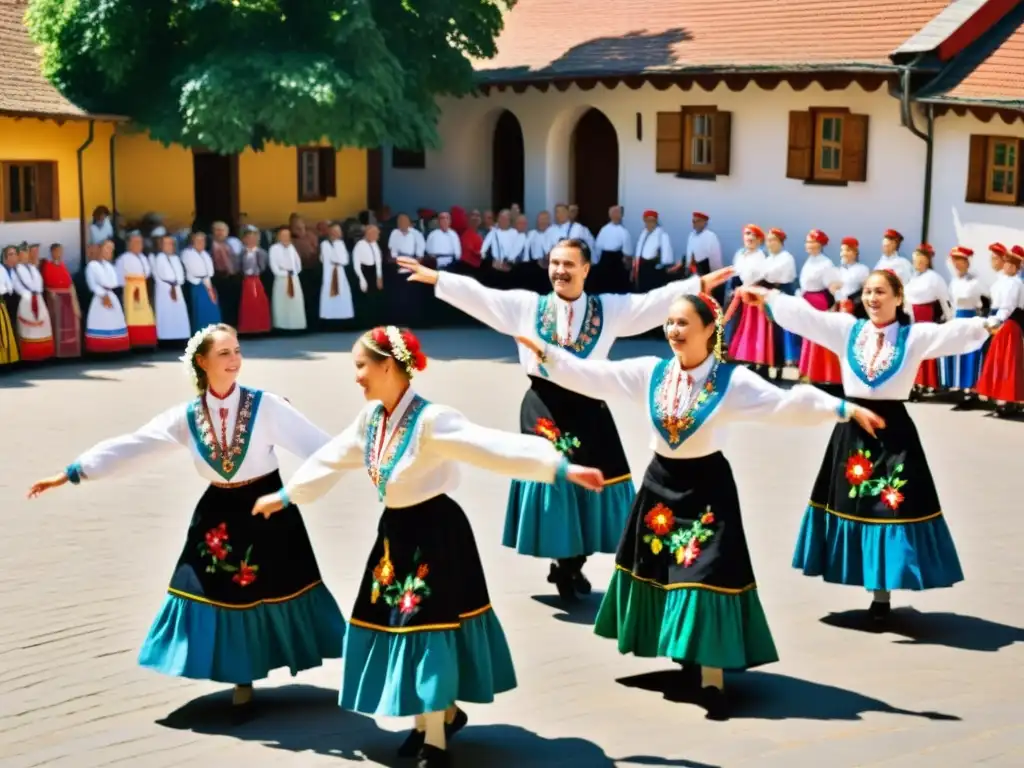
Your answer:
<point x="784" y="122"/>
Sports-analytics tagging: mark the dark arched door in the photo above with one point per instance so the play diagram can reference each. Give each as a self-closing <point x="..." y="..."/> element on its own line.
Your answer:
<point x="595" y="168"/>
<point x="508" y="160"/>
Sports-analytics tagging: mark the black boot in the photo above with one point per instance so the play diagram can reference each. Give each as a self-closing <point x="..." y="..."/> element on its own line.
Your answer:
<point x="580" y="583"/>
<point x="715" y="703"/>
<point x="432" y="757"/>
<point x="879" y="612"/>
<point x="414" y="741"/>
<point x="561" y="576"/>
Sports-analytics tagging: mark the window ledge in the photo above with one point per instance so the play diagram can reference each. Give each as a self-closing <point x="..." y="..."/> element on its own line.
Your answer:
<point x="996" y="202"/>
<point x="826" y="183"/>
<point x="313" y="199"/>
<point x="697" y="175"/>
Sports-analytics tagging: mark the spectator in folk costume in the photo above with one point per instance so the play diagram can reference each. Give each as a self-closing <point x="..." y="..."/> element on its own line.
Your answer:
<point x="1002" y="373"/>
<point x="307" y="245"/>
<point x="613" y="249"/>
<point x="35" y="330"/>
<point x="747" y="334"/>
<point x="538" y="247"/>
<point x="133" y="271"/>
<point x="227" y="276"/>
<point x="254" y="316"/>
<point x="891" y="259"/>
<point x="62" y="301"/>
<point x="9" y="354"/>
<point x="960" y="373"/>
<point x="653" y="255"/>
<point x="818" y="364"/>
<point x="106" y="330"/>
<point x="172" y="325"/>
<point x="443" y="245"/>
<point x="847" y="288"/>
<point x="704" y="251"/>
<point x="369" y="268"/>
<point x="199" y="272"/>
<point x="336" y="292"/>
<point x="928" y="296"/>
<point x="403" y="301"/>
<point x="287" y="300"/>
<point x="746" y="264"/>
<point x="487" y="223"/>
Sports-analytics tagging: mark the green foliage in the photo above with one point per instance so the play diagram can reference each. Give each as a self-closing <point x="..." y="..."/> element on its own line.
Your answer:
<point x="228" y="74"/>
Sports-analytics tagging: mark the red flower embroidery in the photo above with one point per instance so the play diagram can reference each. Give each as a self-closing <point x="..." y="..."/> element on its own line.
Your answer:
<point x="690" y="553"/>
<point x="384" y="573"/>
<point x="660" y="519"/>
<point x="892" y="498"/>
<point x="408" y="601"/>
<point x="858" y="469"/>
<point x="546" y="428"/>
<point x="245" y="576"/>
<point x="422" y="571"/>
<point x="707" y="518"/>
<point x="217" y="537"/>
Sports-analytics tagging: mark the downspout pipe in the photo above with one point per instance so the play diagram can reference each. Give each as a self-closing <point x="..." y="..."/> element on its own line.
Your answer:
<point x="113" y="170"/>
<point x="927" y="136"/>
<point x="82" y="220"/>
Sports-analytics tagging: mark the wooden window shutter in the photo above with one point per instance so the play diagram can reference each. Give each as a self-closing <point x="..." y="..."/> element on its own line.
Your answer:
<point x="47" y="202"/>
<point x="722" y="139"/>
<point x="328" y="172"/>
<point x="800" y="153"/>
<point x="977" y="169"/>
<point x="855" y="148"/>
<point x="669" y="150"/>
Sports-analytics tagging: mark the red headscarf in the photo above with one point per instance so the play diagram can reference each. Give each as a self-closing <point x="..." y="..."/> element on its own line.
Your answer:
<point x="471" y="241"/>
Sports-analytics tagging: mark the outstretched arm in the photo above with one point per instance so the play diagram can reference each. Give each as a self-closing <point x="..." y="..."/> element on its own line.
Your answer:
<point x="504" y="311"/>
<point x="829" y="329"/>
<point x="955" y="337"/>
<point x="324" y="469"/>
<point x="290" y="429"/>
<point x="630" y="314"/>
<point x="599" y="379"/>
<point x="751" y="398"/>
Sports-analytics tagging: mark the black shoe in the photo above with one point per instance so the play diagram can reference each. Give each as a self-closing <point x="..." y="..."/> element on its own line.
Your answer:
<point x="964" y="405"/>
<point x="689" y="675"/>
<point x="715" y="703"/>
<point x="414" y="741"/>
<point x="581" y="584"/>
<point x="432" y="757"/>
<point x="879" y="612"/>
<point x="562" y="578"/>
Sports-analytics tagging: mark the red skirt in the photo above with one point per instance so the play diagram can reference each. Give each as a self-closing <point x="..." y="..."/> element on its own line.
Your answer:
<point x="1002" y="373"/>
<point x="928" y="373"/>
<point x="818" y="364"/>
<point x="66" y="320"/>
<point x="254" y="309"/>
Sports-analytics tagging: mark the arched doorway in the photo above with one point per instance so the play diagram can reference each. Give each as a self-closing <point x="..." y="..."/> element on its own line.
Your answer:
<point x="594" y="155"/>
<point x="507" y="163"/>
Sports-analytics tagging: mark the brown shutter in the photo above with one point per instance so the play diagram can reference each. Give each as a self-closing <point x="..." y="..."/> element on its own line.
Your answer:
<point x="47" y="203"/>
<point x="1020" y="166"/>
<point x="976" y="169"/>
<point x="800" y="154"/>
<point x="328" y="172"/>
<point x="855" y="148"/>
<point x="669" y="150"/>
<point x="721" y="131"/>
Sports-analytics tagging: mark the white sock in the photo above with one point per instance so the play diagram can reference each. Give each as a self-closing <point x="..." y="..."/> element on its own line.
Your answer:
<point x="881" y="596"/>
<point x="434" y="730"/>
<point x="712" y="677"/>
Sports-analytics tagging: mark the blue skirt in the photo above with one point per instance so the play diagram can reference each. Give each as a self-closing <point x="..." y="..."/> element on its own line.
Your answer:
<point x="962" y="371"/>
<point x="204" y="310"/>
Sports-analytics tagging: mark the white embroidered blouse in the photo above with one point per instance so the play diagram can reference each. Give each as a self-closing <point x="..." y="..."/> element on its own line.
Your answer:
<point x="411" y="456"/>
<point x="589" y="325"/>
<point x="252" y="423"/>
<point x="877" y="363"/>
<point x="965" y="292"/>
<point x="851" y="278"/>
<point x="928" y="287"/>
<point x="688" y="409"/>
<point x="1007" y="294"/>
<point x="817" y="274"/>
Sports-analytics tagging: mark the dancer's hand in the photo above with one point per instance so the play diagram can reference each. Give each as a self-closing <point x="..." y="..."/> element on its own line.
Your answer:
<point x="754" y="295"/>
<point x="417" y="272"/>
<point x="533" y="346"/>
<point x="869" y="421"/>
<point x="44" y="485"/>
<point x="380" y="283"/>
<point x="267" y="505"/>
<point x="712" y="280"/>
<point x="587" y="477"/>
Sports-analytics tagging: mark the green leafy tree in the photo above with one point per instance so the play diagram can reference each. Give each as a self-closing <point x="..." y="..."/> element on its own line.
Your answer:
<point x="230" y="74"/>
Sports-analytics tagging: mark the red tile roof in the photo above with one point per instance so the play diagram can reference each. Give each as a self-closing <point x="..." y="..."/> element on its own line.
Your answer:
<point x="999" y="78"/>
<point x="555" y="38"/>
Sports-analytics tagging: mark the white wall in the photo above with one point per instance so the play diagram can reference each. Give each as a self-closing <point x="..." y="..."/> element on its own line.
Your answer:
<point x="66" y="232"/>
<point x="756" y="190"/>
<point x="954" y="221"/>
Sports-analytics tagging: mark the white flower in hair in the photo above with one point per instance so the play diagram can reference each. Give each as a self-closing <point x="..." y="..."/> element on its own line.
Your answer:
<point x="398" y="349"/>
<point x="191" y="350"/>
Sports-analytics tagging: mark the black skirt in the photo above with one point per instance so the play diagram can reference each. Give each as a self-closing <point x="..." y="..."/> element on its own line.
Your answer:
<point x="233" y="559"/>
<point x="424" y="572"/>
<point x="584" y="425"/>
<point x="369" y="306"/>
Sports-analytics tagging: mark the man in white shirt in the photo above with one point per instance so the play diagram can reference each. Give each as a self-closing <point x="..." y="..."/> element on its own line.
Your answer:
<point x="613" y="250"/>
<point x="369" y="269"/>
<point x="502" y="248"/>
<point x="653" y="256"/>
<point x="586" y="235"/>
<point x="443" y="245"/>
<point x="567" y="229"/>
<point x="704" y="251"/>
<point x="537" y="248"/>
<point x="403" y="302"/>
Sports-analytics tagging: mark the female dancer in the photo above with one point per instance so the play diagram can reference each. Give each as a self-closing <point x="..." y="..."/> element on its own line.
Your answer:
<point x="748" y="263"/>
<point x="874" y="518"/>
<point x="684" y="585"/>
<point x="423" y="633"/>
<point x="928" y="297"/>
<point x="1002" y="373"/>
<point x="960" y="373"/>
<point x="817" y="364"/>
<point x="246" y="595"/>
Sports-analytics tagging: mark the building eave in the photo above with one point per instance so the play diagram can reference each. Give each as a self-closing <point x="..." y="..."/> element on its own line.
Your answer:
<point x="61" y="116"/>
<point x="997" y="103"/>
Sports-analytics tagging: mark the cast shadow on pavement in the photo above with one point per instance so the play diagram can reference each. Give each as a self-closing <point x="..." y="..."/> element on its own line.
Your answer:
<point x="953" y="630"/>
<point x="765" y="696"/>
<point x="304" y="718"/>
<point x="582" y="611"/>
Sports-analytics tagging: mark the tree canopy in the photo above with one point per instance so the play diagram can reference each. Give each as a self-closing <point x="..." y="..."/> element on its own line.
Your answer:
<point x="231" y="74"/>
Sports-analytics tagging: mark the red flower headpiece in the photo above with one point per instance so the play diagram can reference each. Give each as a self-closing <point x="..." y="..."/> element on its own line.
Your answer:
<point x="399" y="343"/>
<point x="711" y="303"/>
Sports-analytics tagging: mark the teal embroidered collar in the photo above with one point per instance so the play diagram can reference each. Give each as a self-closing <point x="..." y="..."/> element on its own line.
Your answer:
<point x="673" y="427"/>
<point x="225" y="460"/>
<point x="590" y="329"/>
<point x="875" y="367"/>
<point x="380" y="459"/>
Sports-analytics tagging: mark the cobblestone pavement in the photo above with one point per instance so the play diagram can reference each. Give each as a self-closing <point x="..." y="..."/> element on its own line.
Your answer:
<point x="84" y="569"/>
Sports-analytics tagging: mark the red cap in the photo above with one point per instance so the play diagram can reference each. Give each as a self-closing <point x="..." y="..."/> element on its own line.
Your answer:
<point x="892" y="234"/>
<point x="926" y="249"/>
<point x="1016" y="253"/>
<point x="427" y="213"/>
<point x="961" y="252"/>
<point x="778" y="233"/>
<point x="998" y="248"/>
<point x="894" y="273"/>
<point x="699" y="215"/>
<point x="851" y="242"/>
<point x="755" y="230"/>
<point x="649" y="214"/>
<point x="818" y="236"/>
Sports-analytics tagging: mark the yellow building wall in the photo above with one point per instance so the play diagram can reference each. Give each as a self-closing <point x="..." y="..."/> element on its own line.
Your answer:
<point x="33" y="139"/>
<point x="152" y="178"/>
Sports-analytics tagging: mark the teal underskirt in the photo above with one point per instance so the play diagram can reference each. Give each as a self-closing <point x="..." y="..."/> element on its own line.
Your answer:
<point x="561" y="519"/>
<point x="241" y="645"/>
<point x="400" y="674"/>
<point x="887" y="556"/>
<point x="690" y="624"/>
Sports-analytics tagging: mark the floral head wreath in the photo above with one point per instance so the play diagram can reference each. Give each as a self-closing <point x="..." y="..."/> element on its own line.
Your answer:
<point x="711" y="303"/>
<point x="403" y="346"/>
<point x="191" y="350"/>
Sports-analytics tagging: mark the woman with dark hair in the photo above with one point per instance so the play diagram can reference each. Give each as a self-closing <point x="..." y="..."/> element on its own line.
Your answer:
<point x="423" y="634"/>
<point x="1002" y="372"/>
<point x="874" y="519"/>
<point x="246" y="595"/>
<point x="928" y="297"/>
<point x="960" y="373"/>
<point x="684" y="586"/>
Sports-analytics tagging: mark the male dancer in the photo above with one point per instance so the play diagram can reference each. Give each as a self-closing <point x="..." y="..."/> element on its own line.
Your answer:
<point x="557" y="521"/>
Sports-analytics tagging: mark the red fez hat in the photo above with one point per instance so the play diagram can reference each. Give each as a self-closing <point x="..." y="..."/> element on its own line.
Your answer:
<point x="755" y="230"/>
<point x="892" y="234"/>
<point x="1016" y="253"/>
<point x="851" y="242"/>
<point x="818" y="236"/>
<point x="649" y="214"/>
<point x="699" y="215"/>
<point x="998" y="248"/>
<point x="926" y="249"/>
<point x="778" y="233"/>
<point x="961" y="252"/>
<point x="427" y="213"/>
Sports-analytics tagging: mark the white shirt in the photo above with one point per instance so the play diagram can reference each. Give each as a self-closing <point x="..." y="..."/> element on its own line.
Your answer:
<point x="903" y="268"/>
<point x="779" y="268"/>
<point x="888" y="372"/>
<point x="6" y="286"/>
<point x="612" y="237"/>
<point x="538" y="245"/>
<point x="504" y="244"/>
<point x="749" y="265"/>
<point x="284" y="260"/>
<point x="101" y="277"/>
<point x="274" y="423"/>
<point x="570" y="230"/>
<point x="966" y="292"/>
<point x="926" y="288"/>
<point x="444" y="246"/>
<point x="409" y="243"/>
<point x="132" y="265"/>
<point x="334" y="252"/>
<point x="516" y="312"/>
<point x="27" y="279"/>
<point x="704" y="246"/>
<point x="853" y="276"/>
<point x="817" y="274"/>
<point x="198" y="266"/>
<point x="1007" y="294"/>
<point x="655" y="244"/>
<point x="367" y="255"/>
<point x="422" y="461"/>
<point x="745" y="396"/>
<point x="168" y="269"/>
<point x="235" y="245"/>
<point x="100" y="233"/>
